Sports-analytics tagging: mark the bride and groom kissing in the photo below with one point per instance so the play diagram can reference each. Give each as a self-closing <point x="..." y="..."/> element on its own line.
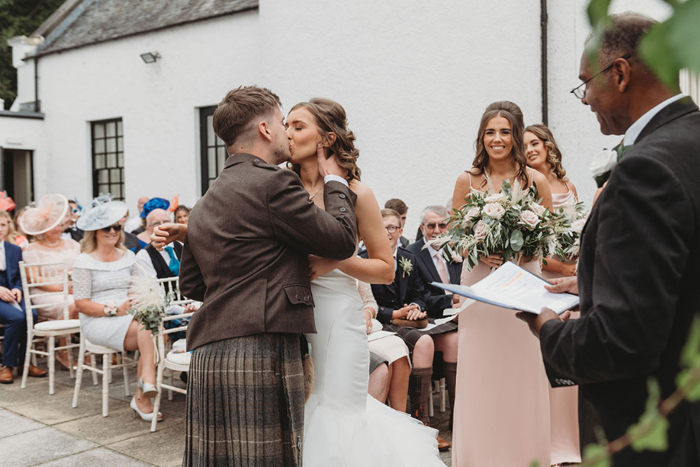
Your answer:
<point x="246" y="257"/>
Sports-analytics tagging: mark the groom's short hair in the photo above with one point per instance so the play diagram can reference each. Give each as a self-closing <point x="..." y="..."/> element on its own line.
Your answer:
<point x="237" y="114"/>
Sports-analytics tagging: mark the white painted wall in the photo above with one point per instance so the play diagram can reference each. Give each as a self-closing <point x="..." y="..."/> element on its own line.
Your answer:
<point x="414" y="78"/>
<point x="22" y="133"/>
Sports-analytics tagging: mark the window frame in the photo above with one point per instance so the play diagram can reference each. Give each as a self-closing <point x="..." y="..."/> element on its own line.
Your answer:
<point x="204" y="147"/>
<point x="96" y="184"/>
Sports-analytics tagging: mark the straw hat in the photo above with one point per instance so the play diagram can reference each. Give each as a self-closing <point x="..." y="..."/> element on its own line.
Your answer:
<point x="101" y="212"/>
<point x="49" y="212"/>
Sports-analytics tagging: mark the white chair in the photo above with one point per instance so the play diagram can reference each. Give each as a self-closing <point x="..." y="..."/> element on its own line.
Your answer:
<point x="106" y="371"/>
<point x="35" y="276"/>
<point x="440" y="387"/>
<point x="172" y="361"/>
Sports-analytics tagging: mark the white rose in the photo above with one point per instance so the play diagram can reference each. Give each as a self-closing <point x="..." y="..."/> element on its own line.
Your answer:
<point x="480" y="230"/>
<point x="537" y="208"/>
<point x="456" y="258"/>
<point x="494" y="210"/>
<point x="529" y="218"/>
<point x="578" y="225"/>
<point x="496" y="198"/>
<point x="603" y="162"/>
<point x="474" y="211"/>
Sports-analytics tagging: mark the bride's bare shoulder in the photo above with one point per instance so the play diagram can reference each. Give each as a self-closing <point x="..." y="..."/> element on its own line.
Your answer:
<point x="360" y="189"/>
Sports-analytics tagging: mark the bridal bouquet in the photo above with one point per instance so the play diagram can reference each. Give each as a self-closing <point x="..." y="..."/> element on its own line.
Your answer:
<point x="511" y="223"/>
<point x="568" y="231"/>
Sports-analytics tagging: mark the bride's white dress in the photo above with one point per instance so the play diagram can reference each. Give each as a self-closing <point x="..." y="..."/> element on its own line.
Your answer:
<point x="343" y="425"/>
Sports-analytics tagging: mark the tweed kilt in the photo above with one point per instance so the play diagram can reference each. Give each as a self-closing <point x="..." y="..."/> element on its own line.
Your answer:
<point x="245" y="403"/>
<point x="411" y="335"/>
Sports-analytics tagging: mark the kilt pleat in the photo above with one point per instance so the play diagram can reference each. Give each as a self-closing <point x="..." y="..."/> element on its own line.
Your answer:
<point x="245" y="403"/>
<point x="411" y="335"/>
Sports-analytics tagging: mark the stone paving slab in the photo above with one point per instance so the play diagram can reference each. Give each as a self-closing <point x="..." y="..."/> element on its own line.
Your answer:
<point x="100" y="456"/>
<point x="118" y="426"/>
<point x="43" y="445"/>
<point x="13" y="424"/>
<point x="163" y="448"/>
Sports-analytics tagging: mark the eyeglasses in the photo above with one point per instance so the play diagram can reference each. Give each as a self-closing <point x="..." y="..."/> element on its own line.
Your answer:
<point x="392" y="228"/>
<point x="76" y="210"/>
<point x="117" y="228"/>
<point x="157" y="223"/>
<point x="432" y="225"/>
<point x="581" y="93"/>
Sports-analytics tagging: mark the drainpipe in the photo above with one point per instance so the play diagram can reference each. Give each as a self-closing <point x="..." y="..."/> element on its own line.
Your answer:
<point x="37" y="104"/>
<point x="543" y="59"/>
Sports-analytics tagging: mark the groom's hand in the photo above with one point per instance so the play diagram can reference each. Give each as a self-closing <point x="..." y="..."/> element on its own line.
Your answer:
<point x="329" y="165"/>
<point x="319" y="266"/>
<point x="535" y="322"/>
<point x="563" y="284"/>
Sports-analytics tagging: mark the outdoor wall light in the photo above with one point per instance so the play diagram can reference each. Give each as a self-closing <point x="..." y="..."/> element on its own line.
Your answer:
<point x="150" y="57"/>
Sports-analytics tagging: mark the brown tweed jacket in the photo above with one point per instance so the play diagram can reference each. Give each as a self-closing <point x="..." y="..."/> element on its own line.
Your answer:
<point x="246" y="252"/>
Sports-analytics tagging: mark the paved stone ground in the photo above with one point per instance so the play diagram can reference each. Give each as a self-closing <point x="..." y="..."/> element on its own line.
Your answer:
<point x="39" y="429"/>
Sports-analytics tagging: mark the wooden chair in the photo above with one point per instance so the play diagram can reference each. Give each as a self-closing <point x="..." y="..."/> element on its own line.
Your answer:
<point x="33" y="277"/>
<point x="170" y="361"/>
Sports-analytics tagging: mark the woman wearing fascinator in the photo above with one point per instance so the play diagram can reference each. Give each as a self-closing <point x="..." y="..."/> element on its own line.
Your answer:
<point x="101" y="277"/>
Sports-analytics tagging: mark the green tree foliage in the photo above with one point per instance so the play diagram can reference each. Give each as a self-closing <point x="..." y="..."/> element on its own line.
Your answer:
<point x="18" y="18"/>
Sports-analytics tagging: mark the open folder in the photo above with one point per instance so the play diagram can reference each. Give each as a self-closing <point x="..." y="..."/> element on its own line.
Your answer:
<point x="511" y="286"/>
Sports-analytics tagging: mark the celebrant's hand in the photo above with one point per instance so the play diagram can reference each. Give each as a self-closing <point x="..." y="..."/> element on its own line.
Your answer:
<point x="319" y="266"/>
<point x="167" y="233"/>
<point x="328" y="165"/>
<point x="492" y="261"/>
<point x="563" y="285"/>
<point x="537" y="321"/>
<point x="123" y="308"/>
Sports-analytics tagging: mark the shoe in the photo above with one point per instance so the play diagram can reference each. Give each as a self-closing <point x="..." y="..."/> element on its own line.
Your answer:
<point x="35" y="372"/>
<point x="147" y="417"/>
<point x="6" y="375"/>
<point x="443" y="445"/>
<point x="147" y="389"/>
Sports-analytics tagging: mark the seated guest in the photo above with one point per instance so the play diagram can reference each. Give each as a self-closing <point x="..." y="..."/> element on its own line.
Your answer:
<point x="45" y="223"/>
<point x="22" y="239"/>
<point x="101" y="278"/>
<point x="10" y="232"/>
<point x="12" y="311"/>
<point x="70" y="230"/>
<point x="153" y="203"/>
<point x="378" y="384"/>
<point x="432" y="267"/>
<point x="136" y="222"/>
<point x="182" y="215"/>
<point x="404" y="301"/>
<point x="391" y="349"/>
<point x="400" y="207"/>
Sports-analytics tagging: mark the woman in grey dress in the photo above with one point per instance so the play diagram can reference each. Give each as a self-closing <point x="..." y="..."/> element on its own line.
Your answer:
<point x="100" y="286"/>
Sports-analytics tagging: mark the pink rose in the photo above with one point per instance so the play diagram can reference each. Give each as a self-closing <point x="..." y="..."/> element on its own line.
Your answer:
<point x="537" y="208"/>
<point x="529" y="218"/>
<point x="578" y="225"/>
<point x="494" y="210"/>
<point x="496" y="198"/>
<point x="480" y="230"/>
<point x="474" y="211"/>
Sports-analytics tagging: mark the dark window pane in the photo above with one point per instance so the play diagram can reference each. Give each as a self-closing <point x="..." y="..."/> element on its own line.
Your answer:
<point x="111" y="145"/>
<point x="222" y="158"/>
<point x="120" y="144"/>
<point x="120" y="159"/>
<point x="111" y="129"/>
<point x="99" y="162"/>
<point x="120" y="130"/>
<point x="111" y="160"/>
<point x="104" y="189"/>
<point x="99" y="130"/>
<point x="210" y="131"/>
<point x="116" y="191"/>
<point x="212" y="162"/>
<point x="99" y="146"/>
<point x="103" y="176"/>
<point x="114" y="176"/>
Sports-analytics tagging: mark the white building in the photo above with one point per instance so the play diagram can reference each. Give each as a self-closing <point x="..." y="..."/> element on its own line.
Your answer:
<point x="413" y="76"/>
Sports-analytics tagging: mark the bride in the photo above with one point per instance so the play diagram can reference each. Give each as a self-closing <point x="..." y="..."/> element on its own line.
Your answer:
<point x="343" y="425"/>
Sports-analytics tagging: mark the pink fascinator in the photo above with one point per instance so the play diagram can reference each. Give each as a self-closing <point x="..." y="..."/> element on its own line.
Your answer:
<point x="6" y="203"/>
<point x="49" y="212"/>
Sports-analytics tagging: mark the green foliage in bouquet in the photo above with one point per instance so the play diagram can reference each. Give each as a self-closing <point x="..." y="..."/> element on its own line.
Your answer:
<point x="511" y="223"/>
<point x="148" y="302"/>
<point x="568" y="231"/>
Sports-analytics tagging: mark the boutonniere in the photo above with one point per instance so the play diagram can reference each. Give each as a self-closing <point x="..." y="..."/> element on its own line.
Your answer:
<point x="406" y="266"/>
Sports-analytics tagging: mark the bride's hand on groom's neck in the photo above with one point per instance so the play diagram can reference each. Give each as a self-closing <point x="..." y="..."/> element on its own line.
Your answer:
<point x="329" y="165"/>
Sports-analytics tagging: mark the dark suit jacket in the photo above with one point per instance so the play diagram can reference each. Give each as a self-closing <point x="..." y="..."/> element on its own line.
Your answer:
<point x="246" y="251"/>
<point x="11" y="278"/>
<point x="406" y="289"/>
<point x="639" y="272"/>
<point x="436" y="300"/>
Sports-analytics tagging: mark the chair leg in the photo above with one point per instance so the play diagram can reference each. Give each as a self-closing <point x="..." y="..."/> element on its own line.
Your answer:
<point x="79" y="372"/>
<point x="70" y="357"/>
<point x="170" y="391"/>
<point x="125" y="370"/>
<point x="442" y="385"/>
<point x="106" y="363"/>
<point x="52" y="362"/>
<point x="159" y="384"/>
<point x="93" y="362"/>
<point x="431" y="410"/>
<point x="27" y="358"/>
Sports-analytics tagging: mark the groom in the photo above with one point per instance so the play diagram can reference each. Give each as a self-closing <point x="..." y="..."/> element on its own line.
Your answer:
<point x="246" y="258"/>
<point x="639" y="268"/>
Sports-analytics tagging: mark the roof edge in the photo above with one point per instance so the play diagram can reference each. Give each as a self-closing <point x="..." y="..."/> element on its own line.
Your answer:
<point x="33" y="115"/>
<point x="56" y="18"/>
<point x="139" y="33"/>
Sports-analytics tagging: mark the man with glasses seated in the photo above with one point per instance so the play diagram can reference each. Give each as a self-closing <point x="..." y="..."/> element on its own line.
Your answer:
<point x="71" y="230"/>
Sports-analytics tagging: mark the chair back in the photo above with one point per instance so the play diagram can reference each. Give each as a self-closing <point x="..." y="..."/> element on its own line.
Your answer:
<point x="37" y="275"/>
<point x="171" y="285"/>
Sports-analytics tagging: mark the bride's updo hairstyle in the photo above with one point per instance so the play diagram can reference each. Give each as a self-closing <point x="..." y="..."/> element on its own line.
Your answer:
<point x="330" y="118"/>
<point x="514" y="115"/>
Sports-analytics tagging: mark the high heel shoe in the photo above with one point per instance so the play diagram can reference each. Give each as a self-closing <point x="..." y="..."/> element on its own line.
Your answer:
<point x="147" y="389"/>
<point x="147" y="417"/>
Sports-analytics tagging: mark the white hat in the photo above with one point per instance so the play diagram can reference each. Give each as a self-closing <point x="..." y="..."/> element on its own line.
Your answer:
<point x="49" y="212"/>
<point x="101" y="212"/>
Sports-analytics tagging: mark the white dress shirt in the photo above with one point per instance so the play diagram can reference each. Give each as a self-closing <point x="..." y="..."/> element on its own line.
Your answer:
<point x="636" y="128"/>
<point x="3" y="263"/>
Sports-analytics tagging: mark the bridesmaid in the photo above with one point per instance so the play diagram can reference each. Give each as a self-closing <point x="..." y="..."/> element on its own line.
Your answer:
<point x="502" y="406"/>
<point x="544" y="155"/>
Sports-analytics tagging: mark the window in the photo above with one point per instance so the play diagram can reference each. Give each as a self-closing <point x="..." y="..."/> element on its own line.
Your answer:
<point x="108" y="158"/>
<point x="213" y="150"/>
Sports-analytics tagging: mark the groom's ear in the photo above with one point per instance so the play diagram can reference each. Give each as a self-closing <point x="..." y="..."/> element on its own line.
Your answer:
<point x="264" y="130"/>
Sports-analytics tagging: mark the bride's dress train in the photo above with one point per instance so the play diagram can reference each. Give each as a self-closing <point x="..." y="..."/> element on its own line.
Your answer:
<point x="343" y="425"/>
